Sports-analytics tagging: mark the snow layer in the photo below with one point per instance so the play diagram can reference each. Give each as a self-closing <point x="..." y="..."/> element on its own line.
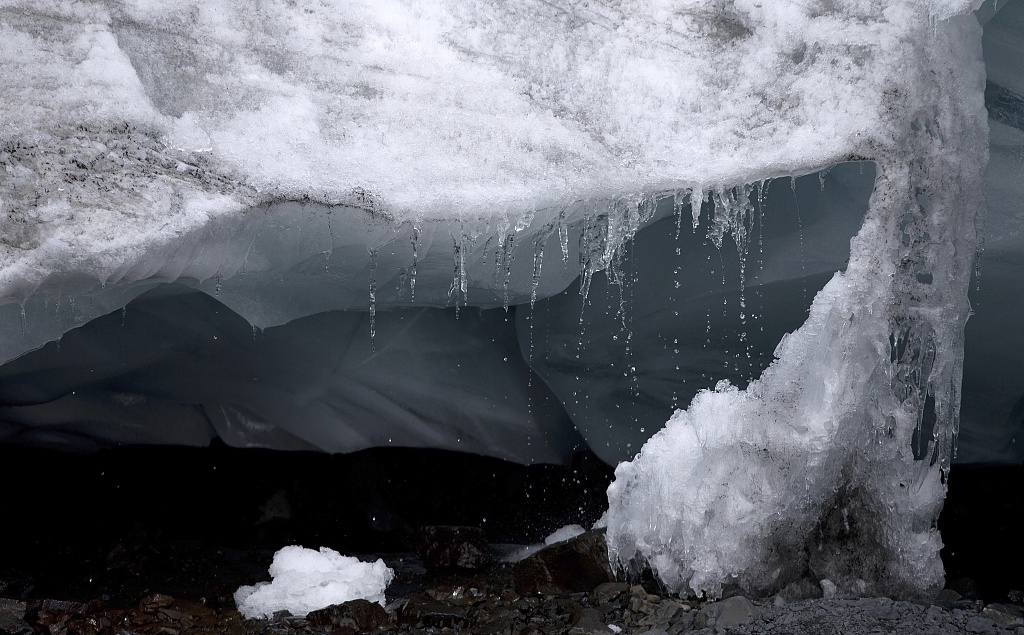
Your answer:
<point x="305" y="580"/>
<point x="145" y="140"/>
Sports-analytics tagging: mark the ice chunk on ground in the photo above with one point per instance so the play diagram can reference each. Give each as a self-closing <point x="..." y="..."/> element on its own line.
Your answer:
<point x="305" y="580"/>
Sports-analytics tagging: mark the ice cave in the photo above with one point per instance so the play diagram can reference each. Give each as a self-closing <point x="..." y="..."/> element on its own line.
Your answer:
<point x="763" y="259"/>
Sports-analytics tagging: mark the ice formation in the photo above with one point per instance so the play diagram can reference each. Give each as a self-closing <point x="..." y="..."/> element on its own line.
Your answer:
<point x="305" y="580"/>
<point x="297" y="158"/>
<point x="810" y="472"/>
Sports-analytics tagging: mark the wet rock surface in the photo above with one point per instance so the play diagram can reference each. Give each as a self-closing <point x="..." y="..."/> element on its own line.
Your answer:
<point x="579" y="564"/>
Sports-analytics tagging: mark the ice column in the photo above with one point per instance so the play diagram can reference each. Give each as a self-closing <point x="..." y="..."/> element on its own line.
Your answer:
<point x="832" y="465"/>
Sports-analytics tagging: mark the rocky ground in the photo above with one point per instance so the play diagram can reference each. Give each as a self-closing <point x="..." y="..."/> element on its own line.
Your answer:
<point x="155" y="543"/>
<point x="526" y="598"/>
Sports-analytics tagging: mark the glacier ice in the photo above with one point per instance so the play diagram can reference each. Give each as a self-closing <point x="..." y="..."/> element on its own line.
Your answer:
<point x="327" y="167"/>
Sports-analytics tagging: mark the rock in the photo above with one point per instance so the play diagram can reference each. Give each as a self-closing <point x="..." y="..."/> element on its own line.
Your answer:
<point x="803" y="589"/>
<point x="966" y="587"/>
<point x="590" y="622"/>
<point x="63" y="606"/>
<point x="881" y="609"/>
<point x="608" y="591"/>
<point x="725" y="614"/>
<point x="664" y="612"/>
<point x="828" y="589"/>
<point x="422" y="609"/>
<point x="456" y="594"/>
<point x="947" y="598"/>
<point x="156" y="601"/>
<point x="359" y="615"/>
<point x="981" y="625"/>
<point x="683" y="622"/>
<point x="12" y="617"/>
<point x="1005" y="616"/>
<point x="579" y="564"/>
<point x="449" y="546"/>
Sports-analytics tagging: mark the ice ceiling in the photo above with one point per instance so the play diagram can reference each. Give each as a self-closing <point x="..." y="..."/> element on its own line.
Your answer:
<point x="514" y="228"/>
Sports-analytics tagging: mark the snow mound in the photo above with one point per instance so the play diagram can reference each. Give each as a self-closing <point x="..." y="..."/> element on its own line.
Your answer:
<point x="305" y="580"/>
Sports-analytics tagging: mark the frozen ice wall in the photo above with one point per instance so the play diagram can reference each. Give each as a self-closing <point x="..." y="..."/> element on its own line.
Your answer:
<point x="295" y="158"/>
<point x="810" y="473"/>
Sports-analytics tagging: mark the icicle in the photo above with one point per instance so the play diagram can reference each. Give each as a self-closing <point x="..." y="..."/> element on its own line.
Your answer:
<point x="373" y="300"/>
<point x="466" y="243"/>
<point x="412" y="272"/>
<point x="453" y="291"/>
<point x="696" y="199"/>
<point x="507" y="256"/>
<point x="677" y="208"/>
<point x="592" y="241"/>
<point x="330" y="250"/>
<point x="538" y="260"/>
<point x="563" y="239"/>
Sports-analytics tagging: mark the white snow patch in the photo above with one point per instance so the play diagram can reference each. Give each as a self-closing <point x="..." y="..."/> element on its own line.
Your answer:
<point x="305" y="580"/>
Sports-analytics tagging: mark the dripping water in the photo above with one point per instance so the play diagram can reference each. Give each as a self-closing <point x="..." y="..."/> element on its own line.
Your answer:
<point x="800" y="233"/>
<point x="415" y="255"/>
<point x="330" y="250"/>
<point x="458" y="275"/>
